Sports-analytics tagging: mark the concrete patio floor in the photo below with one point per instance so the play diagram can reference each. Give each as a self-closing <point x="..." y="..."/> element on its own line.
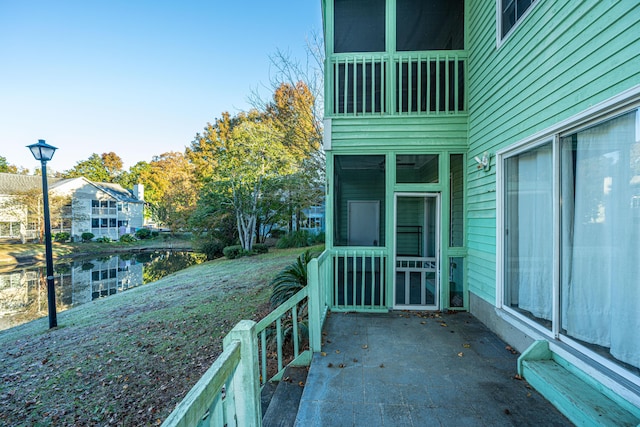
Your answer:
<point x="417" y="369"/>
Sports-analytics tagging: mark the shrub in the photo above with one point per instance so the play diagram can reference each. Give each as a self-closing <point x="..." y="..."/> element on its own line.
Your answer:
<point x="143" y="233"/>
<point x="260" y="248"/>
<point x="295" y="239"/>
<point x="233" y="252"/>
<point x="127" y="238"/>
<point x="277" y="233"/>
<point x="87" y="237"/>
<point x="155" y="234"/>
<point x="212" y="249"/>
<point x="103" y="239"/>
<point x="61" y="237"/>
<point x="319" y="238"/>
<point x="290" y="280"/>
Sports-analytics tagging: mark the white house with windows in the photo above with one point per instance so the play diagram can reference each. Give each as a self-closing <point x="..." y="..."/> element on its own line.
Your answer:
<point x="104" y="209"/>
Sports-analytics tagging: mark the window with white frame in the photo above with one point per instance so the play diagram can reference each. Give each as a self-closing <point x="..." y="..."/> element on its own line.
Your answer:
<point x="570" y="256"/>
<point x="510" y="12"/>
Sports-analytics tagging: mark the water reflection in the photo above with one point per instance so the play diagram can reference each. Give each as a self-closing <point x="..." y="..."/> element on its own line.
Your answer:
<point x="23" y="291"/>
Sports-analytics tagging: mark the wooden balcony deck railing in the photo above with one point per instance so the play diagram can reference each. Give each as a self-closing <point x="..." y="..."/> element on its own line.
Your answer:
<point x="406" y="83"/>
<point x="357" y="279"/>
<point x="228" y="394"/>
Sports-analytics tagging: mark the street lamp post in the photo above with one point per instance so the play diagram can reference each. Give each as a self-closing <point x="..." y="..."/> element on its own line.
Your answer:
<point x="44" y="152"/>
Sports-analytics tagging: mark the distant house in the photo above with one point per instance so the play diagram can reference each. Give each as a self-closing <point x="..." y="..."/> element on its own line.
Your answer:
<point x="101" y="208"/>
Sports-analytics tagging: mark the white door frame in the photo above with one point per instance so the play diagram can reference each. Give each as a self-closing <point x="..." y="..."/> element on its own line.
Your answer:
<point x="419" y="264"/>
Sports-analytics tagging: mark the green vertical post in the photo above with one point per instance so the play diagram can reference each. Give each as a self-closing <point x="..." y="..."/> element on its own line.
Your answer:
<point x="313" y="282"/>
<point x="246" y="380"/>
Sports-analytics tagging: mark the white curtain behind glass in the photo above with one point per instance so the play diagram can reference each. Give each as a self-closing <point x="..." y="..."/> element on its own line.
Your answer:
<point x="601" y="240"/>
<point x="535" y="228"/>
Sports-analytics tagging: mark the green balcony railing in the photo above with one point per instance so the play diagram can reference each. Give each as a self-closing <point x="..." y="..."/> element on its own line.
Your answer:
<point x="357" y="278"/>
<point x="406" y="83"/>
<point x="228" y="394"/>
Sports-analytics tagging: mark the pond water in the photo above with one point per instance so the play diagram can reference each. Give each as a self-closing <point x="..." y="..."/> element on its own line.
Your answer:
<point x="23" y="291"/>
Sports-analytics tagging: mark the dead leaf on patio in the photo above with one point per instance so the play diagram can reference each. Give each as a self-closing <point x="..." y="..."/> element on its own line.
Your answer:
<point x="423" y="323"/>
<point x="330" y="365"/>
<point x="460" y="354"/>
<point x="301" y="383"/>
<point x="355" y="360"/>
<point x="382" y="365"/>
<point x="517" y="377"/>
<point x="364" y="346"/>
<point x="466" y="345"/>
<point x="443" y="324"/>
<point x="337" y="351"/>
<point x="341" y="365"/>
<point x="322" y="353"/>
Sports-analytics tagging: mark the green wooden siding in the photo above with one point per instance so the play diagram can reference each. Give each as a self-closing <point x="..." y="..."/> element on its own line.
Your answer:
<point x="405" y="132"/>
<point x="561" y="59"/>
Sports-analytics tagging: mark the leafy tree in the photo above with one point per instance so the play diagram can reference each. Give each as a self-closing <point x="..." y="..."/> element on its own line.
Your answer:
<point x="170" y="189"/>
<point x="135" y="175"/>
<point x="297" y="109"/>
<point x="250" y="157"/>
<point x="203" y="151"/>
<point x="4" y="166"/>
<point x="112" y="164"/>
<point x="292" y="113"/>
<point x="7" y="168"/>
<point x="212" y="220"/>
<point x="104" y="168"/>
<point x="204" y="148"/>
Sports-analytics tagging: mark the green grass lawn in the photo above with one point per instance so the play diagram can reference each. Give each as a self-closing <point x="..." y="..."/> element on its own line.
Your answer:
<point x="130" y="358"/>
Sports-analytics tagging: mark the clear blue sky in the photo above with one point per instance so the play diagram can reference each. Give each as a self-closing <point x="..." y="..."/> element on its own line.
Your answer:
<point x="137" y="77"/>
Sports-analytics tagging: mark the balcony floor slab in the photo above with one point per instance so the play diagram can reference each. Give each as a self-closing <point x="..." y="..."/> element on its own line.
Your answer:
<point x="417" y="369"/>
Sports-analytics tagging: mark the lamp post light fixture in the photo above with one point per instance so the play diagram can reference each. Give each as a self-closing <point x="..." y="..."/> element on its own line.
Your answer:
<point x="44" y="152"/>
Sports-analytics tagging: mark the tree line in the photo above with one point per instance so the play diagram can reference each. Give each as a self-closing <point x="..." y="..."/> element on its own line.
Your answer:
<point x="239" y="177"/>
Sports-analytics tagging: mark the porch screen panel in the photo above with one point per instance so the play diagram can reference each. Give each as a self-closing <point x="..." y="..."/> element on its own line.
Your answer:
<point x="358" y="179"/>
<point x="600" y="266"/>
<point x="432" y="25"/>
<point x="456" y="215"/>
<point x="417" y="169"/>
<point x="529" y="234"/>
<point x="359" y="26"/>
<point x="456" y="282"/>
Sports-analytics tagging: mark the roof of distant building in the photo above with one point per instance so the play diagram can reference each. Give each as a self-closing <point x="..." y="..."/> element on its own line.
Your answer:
<point x="13" y="184"/>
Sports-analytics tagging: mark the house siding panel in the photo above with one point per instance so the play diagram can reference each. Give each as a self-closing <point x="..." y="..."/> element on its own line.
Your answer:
<point x="399" y="132"/>
<point x="563" y="58"/>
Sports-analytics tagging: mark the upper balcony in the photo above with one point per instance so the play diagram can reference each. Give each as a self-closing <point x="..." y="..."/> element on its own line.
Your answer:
<point x="395" y="57"/>
<point x="404" y="83"/>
